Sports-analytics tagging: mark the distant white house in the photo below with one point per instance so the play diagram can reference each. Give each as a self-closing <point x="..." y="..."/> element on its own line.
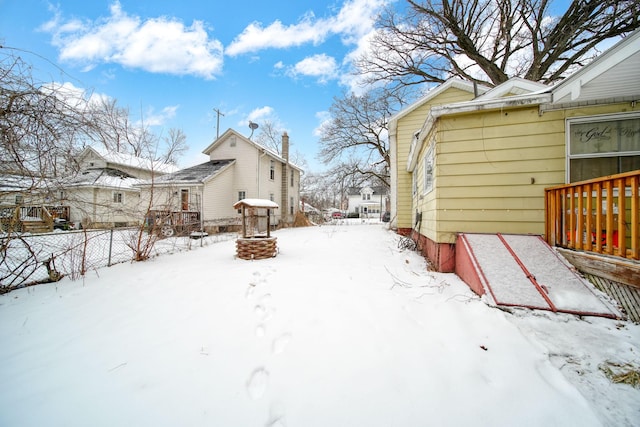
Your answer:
<point x="104" y="192"/>
<point x="238" y="168"/>
<point x="367" y="202"/>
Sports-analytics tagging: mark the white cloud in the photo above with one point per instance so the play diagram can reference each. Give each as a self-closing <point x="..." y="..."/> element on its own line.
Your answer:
<point x="322" y="66"/>
<point x="353" y="20"/>
<point x="324" y="117"/>
<point x="73" y="96"/>
<point x="259" y="115"/>
<point x="262" y="113"/>
<point x="159" y="45"/>
<point x="255" y="37"/>
<point x="153" y="118"/>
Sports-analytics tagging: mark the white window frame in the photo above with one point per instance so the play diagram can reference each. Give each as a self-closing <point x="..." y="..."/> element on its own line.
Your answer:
<point x="241" y="195"/>
<point x="429" y="165"/>
<point x="602" y="118"/>
<point x="118" y="197"/>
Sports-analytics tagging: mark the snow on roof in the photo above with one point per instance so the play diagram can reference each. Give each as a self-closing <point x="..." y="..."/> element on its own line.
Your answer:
<point x="12" y="183"/>
<point x="129" y="160"/>
<point x="256" y="203"/>
<point x="106" y="178"/>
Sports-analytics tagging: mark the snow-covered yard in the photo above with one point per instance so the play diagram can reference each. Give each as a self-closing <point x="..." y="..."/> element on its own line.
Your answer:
<point x="342" y="328"/>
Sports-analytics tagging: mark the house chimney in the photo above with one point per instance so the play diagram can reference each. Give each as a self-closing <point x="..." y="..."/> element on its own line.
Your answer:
<point x="285" y="146"/>
<point x="284" y="206"/>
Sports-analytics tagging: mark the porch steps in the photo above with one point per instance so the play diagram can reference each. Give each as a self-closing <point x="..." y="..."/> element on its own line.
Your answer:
<point x="35" y="227"/>
<point x="524" y="271"/>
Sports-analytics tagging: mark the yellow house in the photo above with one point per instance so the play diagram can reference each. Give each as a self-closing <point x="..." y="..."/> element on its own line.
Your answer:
<point x="474" y="160"/>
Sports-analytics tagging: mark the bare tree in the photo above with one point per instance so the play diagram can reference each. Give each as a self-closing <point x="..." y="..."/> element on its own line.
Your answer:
<point x="490" y="41"/>
<point x="356" y="135"/>
<point x="43" y="128"/>
<point x="269" y="136"/>
<point x="38" y="128"/>
<point x="111" y="124"/>
<point x="175" y="145"/>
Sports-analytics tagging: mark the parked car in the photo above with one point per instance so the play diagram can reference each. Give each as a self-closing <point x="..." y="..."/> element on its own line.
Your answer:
<point x="337" y="215"/>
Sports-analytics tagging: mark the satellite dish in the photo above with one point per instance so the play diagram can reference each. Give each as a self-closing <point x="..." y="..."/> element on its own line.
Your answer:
<point x="252" y="126"/>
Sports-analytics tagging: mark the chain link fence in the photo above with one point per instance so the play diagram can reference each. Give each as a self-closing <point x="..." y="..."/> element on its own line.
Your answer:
<point x="28" y="259"/>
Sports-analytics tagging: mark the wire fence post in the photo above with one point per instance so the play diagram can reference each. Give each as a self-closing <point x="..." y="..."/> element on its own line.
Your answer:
<point x="110" y="247"/>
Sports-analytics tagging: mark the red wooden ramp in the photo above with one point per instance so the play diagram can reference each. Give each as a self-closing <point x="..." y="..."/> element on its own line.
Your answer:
<point x="524" y="271"/>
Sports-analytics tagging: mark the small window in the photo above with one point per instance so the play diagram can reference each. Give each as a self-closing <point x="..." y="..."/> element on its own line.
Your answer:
<point x="272" y="170"/>
<point x="291" y="179"/>
<point x="232" y="141"/>
<point x="19" y="199"/>
<point x="241" y="195"/>
<point x="272" y="197"/>
<point x="117" y="197"/>
<point x="291" y="205"/>
<point x="429" y="161"/>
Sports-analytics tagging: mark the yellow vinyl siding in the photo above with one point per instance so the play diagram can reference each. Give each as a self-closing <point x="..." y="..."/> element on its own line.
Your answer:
<point x="491" y="170"/>
<point x="407" y="127"/>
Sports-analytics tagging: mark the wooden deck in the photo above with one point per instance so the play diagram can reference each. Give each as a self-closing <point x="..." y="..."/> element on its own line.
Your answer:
<point x="600" y="215"/>
<point x="31" y="218"/>
<point x="595" y="224"/>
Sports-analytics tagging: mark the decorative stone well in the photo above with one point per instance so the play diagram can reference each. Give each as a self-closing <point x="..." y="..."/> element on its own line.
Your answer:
<point x="256" y="241"/>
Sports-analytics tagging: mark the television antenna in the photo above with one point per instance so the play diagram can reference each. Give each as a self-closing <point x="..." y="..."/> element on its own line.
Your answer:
<point x="252" y="126"/>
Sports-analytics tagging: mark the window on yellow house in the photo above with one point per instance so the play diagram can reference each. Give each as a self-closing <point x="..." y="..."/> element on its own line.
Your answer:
<point x="429" y="160"/>
<point x="601" y="146"/>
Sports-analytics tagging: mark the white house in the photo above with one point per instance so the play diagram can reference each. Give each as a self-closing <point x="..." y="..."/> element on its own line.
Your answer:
<point x="101" y="194"/>
<point x="104" y="192"/>
<point x="238" y="168"/>
<point x="367" y="202"/>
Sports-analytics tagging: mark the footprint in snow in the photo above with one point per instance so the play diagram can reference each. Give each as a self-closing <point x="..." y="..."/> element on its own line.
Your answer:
<point x="262" y="309"/>
<point x="249" y="292"/>
<point x="276" y="415"/>
<point x="280" y="343"/>
<point x="257" y="383"/>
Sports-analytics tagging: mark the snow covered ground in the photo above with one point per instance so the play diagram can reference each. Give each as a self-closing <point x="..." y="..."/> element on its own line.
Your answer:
<point x="342" y="328"/>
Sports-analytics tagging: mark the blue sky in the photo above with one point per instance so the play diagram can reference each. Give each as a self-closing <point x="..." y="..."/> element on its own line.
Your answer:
<point x="173" y="62"/>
